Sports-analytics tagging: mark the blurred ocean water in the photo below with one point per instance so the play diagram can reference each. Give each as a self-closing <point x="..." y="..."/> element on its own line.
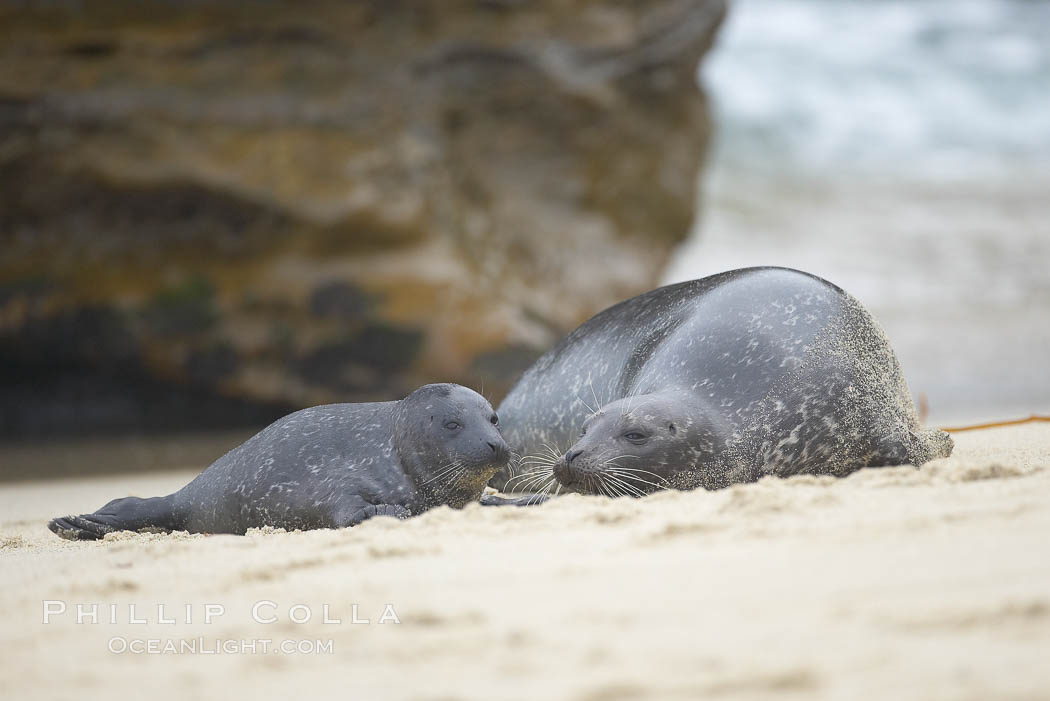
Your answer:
<point x="958" y="88"/>
<point x="900" y="149"/>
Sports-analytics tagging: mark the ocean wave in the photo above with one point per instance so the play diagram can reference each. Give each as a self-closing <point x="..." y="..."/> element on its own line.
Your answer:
<point x="951" y="88"/>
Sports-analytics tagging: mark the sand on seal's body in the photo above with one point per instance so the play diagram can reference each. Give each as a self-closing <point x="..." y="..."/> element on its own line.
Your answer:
<point x="890" y="583"/>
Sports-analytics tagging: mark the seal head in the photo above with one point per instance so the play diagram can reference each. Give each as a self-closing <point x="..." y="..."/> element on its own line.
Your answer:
<point x="449" y="443"/>
<point x="638" y="445"/>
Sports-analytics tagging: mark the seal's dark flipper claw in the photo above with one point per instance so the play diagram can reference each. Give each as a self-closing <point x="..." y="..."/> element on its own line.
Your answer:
<point x="527" y="500"/>
<point x="61" y="527"/>
<point x="78" y="528"/>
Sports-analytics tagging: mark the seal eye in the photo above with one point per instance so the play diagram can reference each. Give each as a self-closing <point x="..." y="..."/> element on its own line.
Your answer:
<point x="635" y="437"/>
<point x="494" y="420"/>
<point x="452" y="425"/>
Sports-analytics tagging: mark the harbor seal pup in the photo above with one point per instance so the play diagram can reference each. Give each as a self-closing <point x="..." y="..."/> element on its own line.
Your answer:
<point x="328" y="467"/>
<point x="752" y="372"/>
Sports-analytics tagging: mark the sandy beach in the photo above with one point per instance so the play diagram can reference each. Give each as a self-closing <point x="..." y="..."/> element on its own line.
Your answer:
<point x="891" y="583"/>
<point x="213" y="215"/>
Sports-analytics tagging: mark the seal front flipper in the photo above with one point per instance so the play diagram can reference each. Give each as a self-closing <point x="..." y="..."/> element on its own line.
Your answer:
<point x="127" y="514"/>
<point x="78" y="528"/>
<point x="353" y="515"/>
<point x="527" y="500"/>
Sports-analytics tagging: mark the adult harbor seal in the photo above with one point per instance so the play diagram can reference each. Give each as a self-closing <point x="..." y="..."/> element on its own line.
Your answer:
<point x="329" y="467"/>
<point x="752" y="372"/>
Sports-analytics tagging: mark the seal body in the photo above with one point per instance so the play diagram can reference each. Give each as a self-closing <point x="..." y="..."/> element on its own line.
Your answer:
<point x="328" y="467"/>
<point x="752" y="372"/>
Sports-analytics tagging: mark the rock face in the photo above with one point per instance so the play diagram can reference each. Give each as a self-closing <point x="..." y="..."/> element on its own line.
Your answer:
<point x="208" y="208"/>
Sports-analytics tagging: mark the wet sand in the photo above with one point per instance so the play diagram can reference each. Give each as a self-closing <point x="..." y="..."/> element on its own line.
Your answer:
<point x="891" y="583"/>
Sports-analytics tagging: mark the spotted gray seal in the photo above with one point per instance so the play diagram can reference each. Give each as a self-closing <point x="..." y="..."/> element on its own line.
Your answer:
<point x="752" y="372"/>
<point x="329" y="467"/>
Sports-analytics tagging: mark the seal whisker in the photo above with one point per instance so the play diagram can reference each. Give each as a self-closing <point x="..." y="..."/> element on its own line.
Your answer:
<point x="445" y="470"/>
<point x="455" y="476"/>
<point x="532" y="469"/>
<point x="614" y="492"/>
<point x="632" y="480"/>
<point x="647" y="474"/>
<point x="633" y="489"/>
<point x="602" y="488"/>
<point x="531" y="475"/>
<point x="635" y="478"/>
<point x="540" y="456"/>
<point x="541" y="487"/>
<point x="621" y="487"/>
<point x="450" y="475"/>
<point x="626" y="468"/>
<point x="538" y="460"/>
<point x="585" y="404"/>
<point x="625" y="406"/>
<point x="553" y="451"/>
<point x="598" y="403"/>
<point x="532" y="481"/>
<point x="528" y="461"/>
<point x="536" y="467"/>
<point x="637" y="471"/>
<point x="528" y="477"/>
<point x="448" y="467"/>
<point x="605" y="486"/>
<point x="548" y="486"/>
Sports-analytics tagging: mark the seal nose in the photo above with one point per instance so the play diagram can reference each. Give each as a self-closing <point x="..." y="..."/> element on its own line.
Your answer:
<point x="563" y="468"/>
<point x="500" y="450"/>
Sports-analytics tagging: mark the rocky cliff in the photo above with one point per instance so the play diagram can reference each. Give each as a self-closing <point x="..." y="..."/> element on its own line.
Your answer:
<point x="211" y="212"/>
